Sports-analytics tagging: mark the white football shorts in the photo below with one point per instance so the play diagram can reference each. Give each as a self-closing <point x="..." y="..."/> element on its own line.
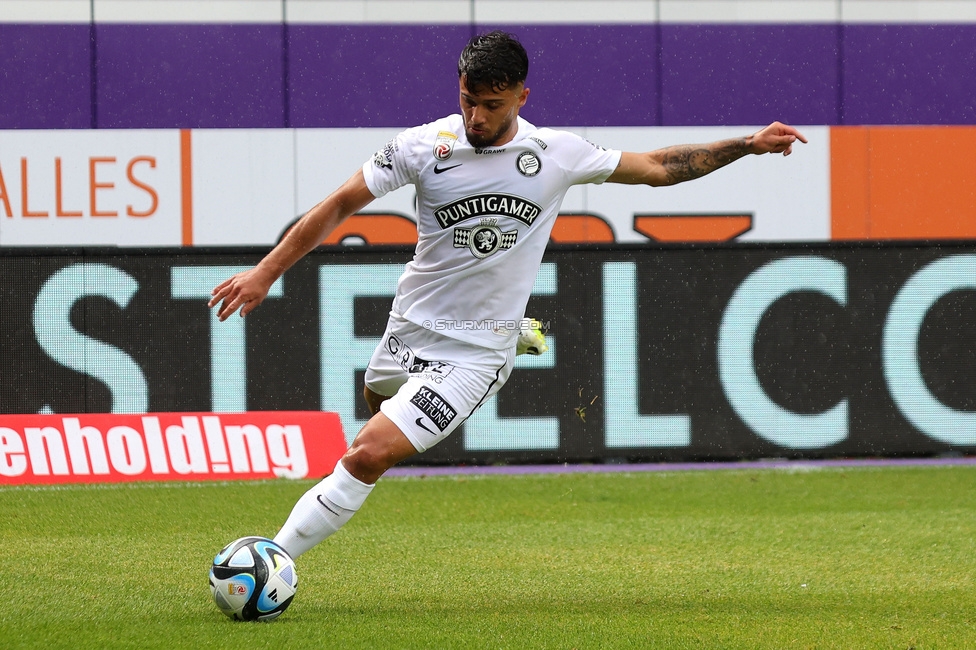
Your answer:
<point x="436" y="382"/>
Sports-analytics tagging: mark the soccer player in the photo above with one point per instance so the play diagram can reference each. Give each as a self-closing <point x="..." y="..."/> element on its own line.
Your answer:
<point x="489" y="186"/>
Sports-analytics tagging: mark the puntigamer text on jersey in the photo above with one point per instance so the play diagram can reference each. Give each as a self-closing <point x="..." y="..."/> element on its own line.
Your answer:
<point x="483" y="205"/>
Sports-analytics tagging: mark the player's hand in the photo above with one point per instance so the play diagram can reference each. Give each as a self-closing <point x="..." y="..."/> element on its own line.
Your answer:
<point x="244" y="291"/>
<point x="775" y="138"/>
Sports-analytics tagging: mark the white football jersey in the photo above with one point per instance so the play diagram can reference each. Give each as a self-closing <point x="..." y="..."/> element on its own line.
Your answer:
<point x="484" y="218"/>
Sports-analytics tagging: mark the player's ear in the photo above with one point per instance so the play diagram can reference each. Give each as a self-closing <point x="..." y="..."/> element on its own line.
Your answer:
<point x="524" y="95"/>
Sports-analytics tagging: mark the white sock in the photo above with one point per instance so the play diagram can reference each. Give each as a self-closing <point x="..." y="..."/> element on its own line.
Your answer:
<point x="323" y="510"/>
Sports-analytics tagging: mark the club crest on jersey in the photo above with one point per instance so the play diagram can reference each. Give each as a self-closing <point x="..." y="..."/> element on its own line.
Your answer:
<point x="484" y="239"/>
<point x="528" y="164"/>
<point x="444" y="145"/>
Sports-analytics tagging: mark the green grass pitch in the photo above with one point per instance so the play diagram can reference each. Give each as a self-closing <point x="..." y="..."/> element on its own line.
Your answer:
<point x="826" y="558"/>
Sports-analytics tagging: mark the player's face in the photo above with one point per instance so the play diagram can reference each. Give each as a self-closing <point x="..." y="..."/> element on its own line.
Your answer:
<point x="489" y="115"/>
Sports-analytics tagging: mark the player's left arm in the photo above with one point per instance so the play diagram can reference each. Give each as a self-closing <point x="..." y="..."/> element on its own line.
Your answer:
<point x="672" y="165"/>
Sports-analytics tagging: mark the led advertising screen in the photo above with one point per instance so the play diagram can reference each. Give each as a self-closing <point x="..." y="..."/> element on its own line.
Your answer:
<point x="667" y="353"/>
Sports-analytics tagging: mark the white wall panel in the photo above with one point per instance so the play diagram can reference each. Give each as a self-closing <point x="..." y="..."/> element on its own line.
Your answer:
<point x="189" y="11"/>
<point x="378" y="11"/>
<point x="45" y="11"/>
<point x="243" y="185"/>
<point x="908" y="11"/>
<point x="563" y="11"/>
<point x="750" y="11"/>
<point x="488" y="11"/>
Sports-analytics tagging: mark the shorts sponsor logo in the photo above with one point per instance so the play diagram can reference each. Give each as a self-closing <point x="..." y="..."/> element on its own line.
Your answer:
<point x="400" y="351"/>
<point x="432" y="371"/>
<point x="434" y="407"/>
<point x="110" y="448"/>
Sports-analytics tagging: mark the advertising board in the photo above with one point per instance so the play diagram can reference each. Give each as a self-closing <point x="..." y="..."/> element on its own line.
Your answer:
<point x="669" y="353"/>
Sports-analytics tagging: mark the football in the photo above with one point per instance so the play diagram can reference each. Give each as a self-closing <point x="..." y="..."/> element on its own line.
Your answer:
<point x="253" y="579"/>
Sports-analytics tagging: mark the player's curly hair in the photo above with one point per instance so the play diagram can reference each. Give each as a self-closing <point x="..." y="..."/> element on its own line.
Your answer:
<point x="495" y="60"/>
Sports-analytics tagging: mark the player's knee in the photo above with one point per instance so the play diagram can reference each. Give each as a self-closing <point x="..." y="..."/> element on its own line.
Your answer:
<point x="366" y="461"/>
<point x="377" y="448"/>
<point x="361" y="456"/>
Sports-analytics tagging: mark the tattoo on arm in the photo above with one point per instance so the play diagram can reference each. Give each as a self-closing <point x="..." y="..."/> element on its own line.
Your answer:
<point x="687" y="162"/>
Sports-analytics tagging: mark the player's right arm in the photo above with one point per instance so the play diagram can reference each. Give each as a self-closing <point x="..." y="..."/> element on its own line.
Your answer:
<point x="245" y="291"/>
<point x="681" y="163"/>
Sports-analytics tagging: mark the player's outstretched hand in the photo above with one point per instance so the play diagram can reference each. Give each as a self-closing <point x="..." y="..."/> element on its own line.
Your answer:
<point x="776" y="138"/>
<point x="244" y="291"/>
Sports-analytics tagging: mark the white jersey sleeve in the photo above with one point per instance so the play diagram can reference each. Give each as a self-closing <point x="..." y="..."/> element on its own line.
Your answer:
<point x="392" y="167"/>
<point x="581" y="160"/>
<point x="483" y="220"/>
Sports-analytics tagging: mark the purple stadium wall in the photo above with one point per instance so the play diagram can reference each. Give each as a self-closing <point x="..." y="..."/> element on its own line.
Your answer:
<point x="325" y="75"/>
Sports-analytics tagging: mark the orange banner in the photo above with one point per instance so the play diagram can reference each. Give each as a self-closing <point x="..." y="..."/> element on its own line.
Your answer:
<point x="902" y="182"/>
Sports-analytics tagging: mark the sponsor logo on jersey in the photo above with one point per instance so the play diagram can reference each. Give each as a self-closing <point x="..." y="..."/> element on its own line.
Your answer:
<point x="539" y="142"/>
<point x="487" y="205"/>
<point x="528" y="164"/>
<point x="440" y="170"/>
<point x="384" y="157"/>
<point x="434" y="407"/>
<point x="488" y="152"/>
<point x="444" y="145"/>
<point x="484" y="239"/>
